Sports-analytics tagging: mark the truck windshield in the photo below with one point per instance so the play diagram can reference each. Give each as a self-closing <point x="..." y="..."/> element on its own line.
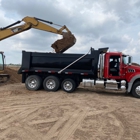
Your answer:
<point x="1" y="62"/>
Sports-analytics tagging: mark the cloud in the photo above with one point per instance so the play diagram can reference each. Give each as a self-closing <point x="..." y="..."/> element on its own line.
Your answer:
<point x="113" y="24"/>
<point x="111" y="39"/>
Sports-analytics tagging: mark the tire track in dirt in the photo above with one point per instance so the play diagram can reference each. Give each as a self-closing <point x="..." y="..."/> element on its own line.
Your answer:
<point x="20" y="133"/>
<point x="15" y="116"/>
<point x="36" y="113"/>
<point x="126" y="126"/>
<point x="17" y="122"/>
<point x="59" y="124"/>
<point x="105" y="120"/>
<point x="117" y="122"/>
<point x="72" y="125"/>
<point x="32" y="99"/>
<point x="23" y="115"/>
<point x="66" y="126"/>
<point x="4" y="119"/>
<point x="20" y="106"/>
<point x="24" y="107"/>
<point x="98" y="112"/>
<point x="44" y="104"/>
<point x="43" y="121"/>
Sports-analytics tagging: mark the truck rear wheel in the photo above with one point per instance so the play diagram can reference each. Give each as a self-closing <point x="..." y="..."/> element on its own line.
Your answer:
<point x="33" y="82"/>
<point x="51" y="83"/>
<point x="68" y="85"/>
<point x="136" y="90"/>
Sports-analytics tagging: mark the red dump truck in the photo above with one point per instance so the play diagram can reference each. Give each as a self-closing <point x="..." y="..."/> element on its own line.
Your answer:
<point x="56" y="70"/>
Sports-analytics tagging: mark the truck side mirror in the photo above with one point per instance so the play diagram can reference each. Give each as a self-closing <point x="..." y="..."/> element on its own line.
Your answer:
<point x="129" y="60"/>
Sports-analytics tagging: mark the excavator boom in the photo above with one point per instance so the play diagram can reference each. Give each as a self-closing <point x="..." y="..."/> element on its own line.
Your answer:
<point x="60" y="46"/>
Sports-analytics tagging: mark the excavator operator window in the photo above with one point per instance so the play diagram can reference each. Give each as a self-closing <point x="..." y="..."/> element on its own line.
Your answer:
<point x="1" y="62"/>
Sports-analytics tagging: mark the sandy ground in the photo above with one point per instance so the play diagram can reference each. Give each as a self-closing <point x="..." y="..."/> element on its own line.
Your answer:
<point x="86" y="114"/>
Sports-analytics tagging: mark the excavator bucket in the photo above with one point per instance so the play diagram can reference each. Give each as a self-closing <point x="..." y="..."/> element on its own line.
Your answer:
<point x="65" y="43"/>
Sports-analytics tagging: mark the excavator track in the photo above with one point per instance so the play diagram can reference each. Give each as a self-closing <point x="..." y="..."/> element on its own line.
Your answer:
<point x="4" y="78"/>
<point x="65" y="43"/>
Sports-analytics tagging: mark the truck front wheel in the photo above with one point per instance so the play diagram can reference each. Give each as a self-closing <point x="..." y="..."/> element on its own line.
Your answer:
<point x="136" y="90"/>
<point x="33" y="82"/>
<point x="51" y="83"/>
<point x="68" y="85"/>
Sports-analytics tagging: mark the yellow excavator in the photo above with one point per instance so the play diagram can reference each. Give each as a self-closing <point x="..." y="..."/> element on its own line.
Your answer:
<point x="59" y="46"/>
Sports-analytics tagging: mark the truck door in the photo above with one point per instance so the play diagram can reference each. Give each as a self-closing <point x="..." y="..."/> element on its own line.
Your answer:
<point x="114" y="66"/>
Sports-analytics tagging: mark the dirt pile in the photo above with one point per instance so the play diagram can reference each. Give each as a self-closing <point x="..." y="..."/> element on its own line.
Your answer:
<point x="14" y="77"/>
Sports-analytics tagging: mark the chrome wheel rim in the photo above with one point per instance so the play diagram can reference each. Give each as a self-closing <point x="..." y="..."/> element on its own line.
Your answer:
<point x="68" y="85"/>
<point x="50" y="84"/>
<point x="32" y="83"/>
<point x="137" y="90"/>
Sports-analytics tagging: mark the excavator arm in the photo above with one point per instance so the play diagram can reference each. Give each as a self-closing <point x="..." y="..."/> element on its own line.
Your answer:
<point x="60" y="46"/>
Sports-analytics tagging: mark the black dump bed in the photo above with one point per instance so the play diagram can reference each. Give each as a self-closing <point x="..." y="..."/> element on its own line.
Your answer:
<point x="45" y="62"/>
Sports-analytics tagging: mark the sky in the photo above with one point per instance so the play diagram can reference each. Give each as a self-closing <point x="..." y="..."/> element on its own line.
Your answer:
<point x="98" y="24"/>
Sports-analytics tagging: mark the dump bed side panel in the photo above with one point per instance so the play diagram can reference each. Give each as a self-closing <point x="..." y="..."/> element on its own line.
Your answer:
<point x="54" y="61"/>
<point x="60" y="61"/>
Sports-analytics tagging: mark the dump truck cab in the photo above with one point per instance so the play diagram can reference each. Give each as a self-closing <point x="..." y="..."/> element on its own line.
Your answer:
<point x="116" y="65"/>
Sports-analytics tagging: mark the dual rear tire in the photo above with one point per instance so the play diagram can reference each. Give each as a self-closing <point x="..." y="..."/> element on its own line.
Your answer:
<point x="33" y="82"/>
<point x="68" y="85"/>
<point x="52" y="83"/>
